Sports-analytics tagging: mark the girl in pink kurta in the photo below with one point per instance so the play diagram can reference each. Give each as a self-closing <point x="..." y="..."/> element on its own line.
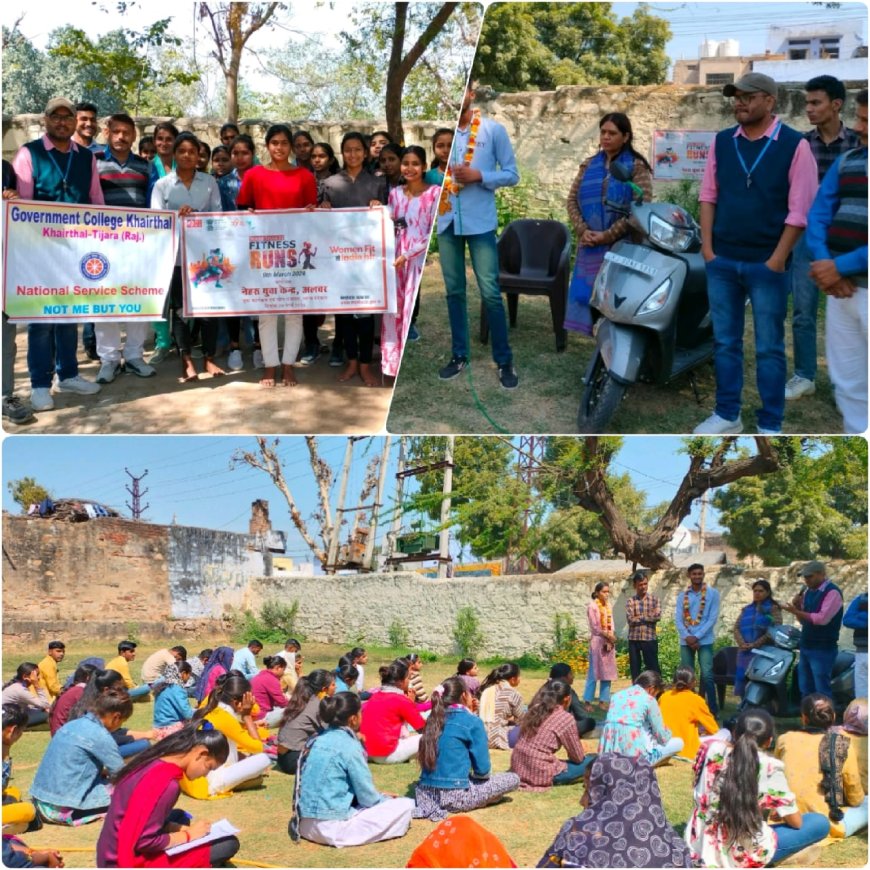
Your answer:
<point x="602" y="647"/>
<point x="412" y="207"/>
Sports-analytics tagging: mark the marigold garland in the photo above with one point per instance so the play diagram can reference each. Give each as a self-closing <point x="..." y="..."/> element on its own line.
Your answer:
<point x="606" y="616"/>
<point x="687" y="619"/>
<point x="451" y="186"/>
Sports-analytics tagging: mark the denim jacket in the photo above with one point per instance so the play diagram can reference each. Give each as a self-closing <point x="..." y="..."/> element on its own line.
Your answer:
<point x="335" y="778"/>
<point x="71" y="771"/>
<point x="462" y="745"/>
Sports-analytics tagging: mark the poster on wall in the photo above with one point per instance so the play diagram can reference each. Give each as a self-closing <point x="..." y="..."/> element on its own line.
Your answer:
<point x="680" y="154"/>
<point x="328" y="261"/>
<point x="83" y="263"/>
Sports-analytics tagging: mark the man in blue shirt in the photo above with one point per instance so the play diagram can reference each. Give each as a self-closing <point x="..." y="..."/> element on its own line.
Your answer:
<point x="245" y="659"/>
<point x="696" y="617"/>
<point x="836" y="238"/>
<point x="482" y="160"/>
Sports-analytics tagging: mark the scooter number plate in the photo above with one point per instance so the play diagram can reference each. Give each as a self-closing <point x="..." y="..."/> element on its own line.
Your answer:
<point x="629" y="263"/>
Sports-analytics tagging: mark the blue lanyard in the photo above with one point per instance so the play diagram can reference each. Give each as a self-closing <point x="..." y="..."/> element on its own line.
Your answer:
<point x="63" y="175"/>
<point x="757" y="159"/>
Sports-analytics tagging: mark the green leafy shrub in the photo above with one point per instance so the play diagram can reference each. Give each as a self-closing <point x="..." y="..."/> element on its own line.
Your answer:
<point x="683" y="193"/>
<point x="564" y="630"/>
<point x="398" y="634"/>
<point x="467" y="635"/>
<point x="275" y="622"/>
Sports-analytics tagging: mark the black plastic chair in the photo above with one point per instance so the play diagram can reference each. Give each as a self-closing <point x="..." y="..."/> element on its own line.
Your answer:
<point x="534" y="257"/>
<point x="724" y="671"/>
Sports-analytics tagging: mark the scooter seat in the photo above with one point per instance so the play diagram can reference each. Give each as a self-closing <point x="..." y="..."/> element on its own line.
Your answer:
<point x="843" y="662"/>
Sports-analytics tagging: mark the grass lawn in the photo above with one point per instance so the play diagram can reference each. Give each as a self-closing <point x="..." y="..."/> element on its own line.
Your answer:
<point x="550" y="383"/>
<point x="526" y="822"/>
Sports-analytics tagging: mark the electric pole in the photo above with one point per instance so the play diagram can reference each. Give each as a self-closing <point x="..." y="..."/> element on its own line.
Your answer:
<point x="444" y="538"/>
<point x="331" y="565"/>
<point x="702" y="523"/>
<point x="529" y="460"/>
<point x="393" y="534"/>
<point x="368" y="561"/>
<point x="136" y="508"/>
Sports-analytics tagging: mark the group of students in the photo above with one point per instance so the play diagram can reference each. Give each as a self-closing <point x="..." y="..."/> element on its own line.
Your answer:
<point x="171" y="172"/>
<point x="212" y="737"/>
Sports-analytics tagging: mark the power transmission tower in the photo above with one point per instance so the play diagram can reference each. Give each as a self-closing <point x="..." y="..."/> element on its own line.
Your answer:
<point x="530" y="457"/>
<point x="136" y="508"/>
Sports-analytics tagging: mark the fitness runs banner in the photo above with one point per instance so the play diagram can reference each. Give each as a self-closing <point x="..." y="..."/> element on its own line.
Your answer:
<point x="85" y="263"/>
<point x="337" y="261"/>
<point x="681" y="154"/>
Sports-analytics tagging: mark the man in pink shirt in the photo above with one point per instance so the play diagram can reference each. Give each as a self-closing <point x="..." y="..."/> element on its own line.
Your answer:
<point x="758" y="185"/>
<point x="56" y="169"/>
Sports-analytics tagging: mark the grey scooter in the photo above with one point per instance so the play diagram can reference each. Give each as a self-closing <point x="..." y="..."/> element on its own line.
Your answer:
<point x="653" y="314"/>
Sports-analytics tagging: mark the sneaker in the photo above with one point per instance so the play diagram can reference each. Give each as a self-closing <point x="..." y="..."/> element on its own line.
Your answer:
<point x="140" y="368"/>
<point x="40" y="399"/>
<point x="234" y="360"/>
<point x="108" y="372"/>
<point x="310" y="354"/>
<point x="160" y="354"/>
<point x="508" y="377"/>
<point x="91" y="353"/>
<point x="453" y="368"/>
<point x="259" y="359"/>
<point x="15" y="411"/>
<point x="763" y="431"/>
<point x="716" y="425"/>
<point x="336" y="360"/>
<point x="413" y="333"/>
<point x="798" y="386"/>
<point x="77" y="385"/>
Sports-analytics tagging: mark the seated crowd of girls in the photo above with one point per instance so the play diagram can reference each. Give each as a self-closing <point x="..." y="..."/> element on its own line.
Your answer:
<point x="757" y="800"/>
<point x="299" y="173"/>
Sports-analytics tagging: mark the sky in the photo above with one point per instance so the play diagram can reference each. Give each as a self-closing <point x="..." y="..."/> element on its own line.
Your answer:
<point x="190" y="480"/>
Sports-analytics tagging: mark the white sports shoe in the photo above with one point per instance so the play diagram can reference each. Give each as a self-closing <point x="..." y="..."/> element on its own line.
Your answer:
<point x="259" y="359"/>
<point x="77" y="385"/>
<point x="716" y="425"/>
<point x="234" y="360"/>
<point x="139" y="367"/>
<point x="798" y="386"/>
<point x="108" y="372"/>
<point x="762" y="431"/>
<point x="40" y="399"/>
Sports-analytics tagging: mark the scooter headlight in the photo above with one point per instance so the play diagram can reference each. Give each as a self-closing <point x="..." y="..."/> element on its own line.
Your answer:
<point x="657" y="298"/>
<point x="668" y="236"/>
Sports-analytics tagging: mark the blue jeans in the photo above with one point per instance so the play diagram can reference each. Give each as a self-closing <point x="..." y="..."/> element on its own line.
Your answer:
<point x="484" y="260"/>
<point x="814" y="670"/>
<point x="51" y="347"/>
<point x="815" y="827"/>
<point x="575" y="770"/>
<point x="589" y="688"/>
<point x="729" y="284"/>
<point x="805" y="307"/>
<point x="139" y="691"/>
<point x="128" y="749"/>
<point x="705" y="663"/>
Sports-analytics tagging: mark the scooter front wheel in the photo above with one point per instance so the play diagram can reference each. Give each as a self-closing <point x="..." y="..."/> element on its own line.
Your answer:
<point x="601" y="398"/>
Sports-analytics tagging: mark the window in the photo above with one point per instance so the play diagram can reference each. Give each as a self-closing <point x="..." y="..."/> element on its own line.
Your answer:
<point x="830" y="48"/>
<point x="720" y="78"/>
<point x="798" y="49"/>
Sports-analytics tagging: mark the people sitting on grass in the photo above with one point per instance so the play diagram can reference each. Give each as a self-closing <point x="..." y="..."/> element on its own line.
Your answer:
<point x="634" y="725"/>
<point x="70" y="786"/>
<point x="391" y="722"/>
<point x="141" y="823"/>
<point x="346" y="676"/>
<point x="585" y="724"/>
<point x="684" y="712"/>
<point x="17" y="814"/>
<point x="622" y="822"/>
<point x="188" y="680"/>
<point x="245" y="659"/>
<point x="456" y="772"/>
<point x="736" y="785"/>
<point x="336" y="802"/>
<point x="547" y="727"/>
<point x="467" y="669"/>
<point x="172" y="708"/>
<point x="69" y="697"/>
<point x="821" y="766"/>
<point x="461" y="842"/>
<point x="501" y="705"/>
<point x="153" y="666"/>
<point x="290" y="653"/>
<point x="25" y="690"/>
<point x="301" y="717"/>
<point x="198" y="663"/>
<point x="121" y="665"/>
<point x="48" y="667"/>
<point x="855" y="725"/>
<point x="415" y="681"/>
<point x="266" y="688"/>
<point x="359" y="658"/>
<point x="219" y="663"/>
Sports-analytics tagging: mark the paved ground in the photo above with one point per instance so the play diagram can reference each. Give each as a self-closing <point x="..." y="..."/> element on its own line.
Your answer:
<point x="226" y="405"/>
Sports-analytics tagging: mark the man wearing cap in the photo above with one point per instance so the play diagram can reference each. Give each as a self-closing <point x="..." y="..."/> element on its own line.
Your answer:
<point x="819" y="609"/>
<point x="56" y="169"/>
<point x="642" y="612"/>
<point x="758" y="185"/>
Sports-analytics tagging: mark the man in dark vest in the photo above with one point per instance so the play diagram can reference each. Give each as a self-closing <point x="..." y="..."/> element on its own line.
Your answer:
<point x="56" y="169"/>
<point x="819" y="609"/>
<point x="758" y="185"/>
<point x="837" y="242"/>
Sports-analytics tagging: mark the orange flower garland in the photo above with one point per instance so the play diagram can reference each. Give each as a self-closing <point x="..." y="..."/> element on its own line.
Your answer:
<point x="451" y="186"/>
<point x="687" y="619"/>
<point x="606" y="616"/>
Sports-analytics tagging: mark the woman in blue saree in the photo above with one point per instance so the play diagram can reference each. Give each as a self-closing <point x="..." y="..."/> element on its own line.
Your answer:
<point x="751" y="628"/>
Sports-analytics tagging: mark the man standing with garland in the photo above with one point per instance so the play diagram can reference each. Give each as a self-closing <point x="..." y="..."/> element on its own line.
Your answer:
<point x="482" y="160"/>
<point x="696" y="617"/>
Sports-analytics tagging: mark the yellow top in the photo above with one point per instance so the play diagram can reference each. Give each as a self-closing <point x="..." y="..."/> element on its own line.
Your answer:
<point x="122" y="666"/>
<point x="48" y="676"/>
<point x="234" y="730"/>
<point x="683" y="711"/>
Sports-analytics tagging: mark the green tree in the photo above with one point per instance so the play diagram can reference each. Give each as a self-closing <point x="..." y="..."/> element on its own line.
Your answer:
<point x="815" y="507"/>
<point x="24" y="87"/>
<point x="539" y="46"/>
<point x="26" y="491"/>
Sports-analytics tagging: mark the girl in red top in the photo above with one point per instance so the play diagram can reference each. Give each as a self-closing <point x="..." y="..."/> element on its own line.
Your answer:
<point x="390" y="718"/>
<point x="272" y="187"/>
<point x="266" y="689"/>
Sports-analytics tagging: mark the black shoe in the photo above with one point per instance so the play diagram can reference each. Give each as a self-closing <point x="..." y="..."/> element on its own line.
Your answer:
<point x="508" y="377"/>
<point x="336" y="359"/>
<point x="453" y="368"/>
<point x="91" y="353"/>
<point x="15" y="411"/>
